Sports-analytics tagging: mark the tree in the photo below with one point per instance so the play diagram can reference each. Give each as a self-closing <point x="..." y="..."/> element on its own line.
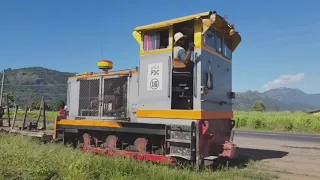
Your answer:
<point x="59" y="104"/>
<point x="10" y="99"/>
<point x="259" y="106"/>
<point x="35" y="105"/>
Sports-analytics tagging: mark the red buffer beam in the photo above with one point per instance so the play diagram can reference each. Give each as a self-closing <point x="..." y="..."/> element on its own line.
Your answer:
<point x="111" y="150"/>
<point x="134" y="155"/>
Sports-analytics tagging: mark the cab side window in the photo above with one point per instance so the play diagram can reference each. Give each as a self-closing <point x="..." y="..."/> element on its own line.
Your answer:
<point x="227" y="48"/>
<point x="214" y="40"/>
<point x="210" y="38"/>
<point x="218" y="42"/>
<point x="156" y="40"/>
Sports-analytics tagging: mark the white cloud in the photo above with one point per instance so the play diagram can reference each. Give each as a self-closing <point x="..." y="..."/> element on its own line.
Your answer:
<point x="284" y="80"/>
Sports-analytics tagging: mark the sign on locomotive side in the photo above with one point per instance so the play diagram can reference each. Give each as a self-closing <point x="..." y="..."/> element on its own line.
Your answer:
<point x="154" y="79"/>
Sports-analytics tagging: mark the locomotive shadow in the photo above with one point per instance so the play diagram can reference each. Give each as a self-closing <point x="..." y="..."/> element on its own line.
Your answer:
<point x="245" y="155"/>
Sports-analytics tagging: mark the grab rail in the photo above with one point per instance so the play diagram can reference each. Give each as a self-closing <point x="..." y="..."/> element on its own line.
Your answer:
<point x="195" y="75"/>
<point x="170" y="76"/>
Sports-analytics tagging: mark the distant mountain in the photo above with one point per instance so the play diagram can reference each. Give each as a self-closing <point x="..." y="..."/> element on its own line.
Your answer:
<point x="30" y="84"/>
<point x="279" y="100"/>
<point x="294" y="96"/>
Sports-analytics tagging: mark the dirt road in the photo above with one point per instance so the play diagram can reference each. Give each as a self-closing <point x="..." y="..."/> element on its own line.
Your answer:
<point x="290" y="156"/>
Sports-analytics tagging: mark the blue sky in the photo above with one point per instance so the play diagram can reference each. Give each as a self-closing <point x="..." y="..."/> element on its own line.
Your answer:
<point x="279" y="38"/>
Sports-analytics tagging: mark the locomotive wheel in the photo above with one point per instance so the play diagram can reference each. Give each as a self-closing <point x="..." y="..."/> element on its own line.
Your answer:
<point x="141" y="145"/>
<point x="86" y="140"/>
<point x="110" y="142"/>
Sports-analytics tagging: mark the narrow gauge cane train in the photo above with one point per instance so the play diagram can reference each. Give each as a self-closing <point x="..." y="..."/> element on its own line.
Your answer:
<point x="163" y="110"/>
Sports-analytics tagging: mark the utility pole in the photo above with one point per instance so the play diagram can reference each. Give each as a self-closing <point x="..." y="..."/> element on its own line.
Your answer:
<point x="1" y="92"/>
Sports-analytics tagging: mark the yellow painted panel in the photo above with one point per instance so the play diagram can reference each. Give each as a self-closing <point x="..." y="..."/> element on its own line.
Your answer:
<point x="138" y="37"/>
<point x="184" y="114"/>
<point x="236" y="39"/>
<point x="85" y="122"/>
<point x="103" y="74"/>
<point x="170" y="114"/>
<point x="171" y="38"/>
<point x="198" y="34"/>
<point x="206" y="23"/>
<point x="160" y="51"/>
<point x="171" y="22"/>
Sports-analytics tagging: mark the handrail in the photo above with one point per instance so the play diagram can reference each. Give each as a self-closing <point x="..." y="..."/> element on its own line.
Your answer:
<point x="170" y="76"/>
<point x="195" y="75"/>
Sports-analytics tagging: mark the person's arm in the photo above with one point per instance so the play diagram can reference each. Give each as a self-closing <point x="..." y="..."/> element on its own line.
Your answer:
<point x="185" y="56"/>
<point x="188" y="57"/>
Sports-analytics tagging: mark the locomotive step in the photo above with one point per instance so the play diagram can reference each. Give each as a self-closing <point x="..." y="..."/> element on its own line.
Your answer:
<point x="179" y="140"/>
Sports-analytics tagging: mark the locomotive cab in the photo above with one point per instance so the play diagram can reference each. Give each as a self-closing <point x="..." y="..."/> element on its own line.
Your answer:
<point x="184" y="87"/>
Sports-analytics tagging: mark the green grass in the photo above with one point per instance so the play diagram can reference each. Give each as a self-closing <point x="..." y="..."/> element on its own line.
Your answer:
<point x="278" y="121"/>
<point x="262" y="121"/>
<point x="23" y="158"/>
<point x="33" y="115"/>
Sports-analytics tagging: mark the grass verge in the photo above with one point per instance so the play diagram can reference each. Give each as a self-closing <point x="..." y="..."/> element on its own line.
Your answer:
<point x="23" y="158"/>
<point x="299" y="122"/>
<point x="33" y="115"/>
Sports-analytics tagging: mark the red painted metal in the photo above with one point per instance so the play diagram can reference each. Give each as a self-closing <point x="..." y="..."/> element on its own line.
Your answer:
<point x="134" y="155"/>
<point x="205" y="127"/>
<point x="110" y="150"/>
<point x="214" y="138"/>
<point x="229" y="150"/>
<point x="62" y="113"/>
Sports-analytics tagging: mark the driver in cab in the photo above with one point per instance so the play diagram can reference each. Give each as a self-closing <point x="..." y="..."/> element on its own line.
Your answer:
<point x="181" y="57"/>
